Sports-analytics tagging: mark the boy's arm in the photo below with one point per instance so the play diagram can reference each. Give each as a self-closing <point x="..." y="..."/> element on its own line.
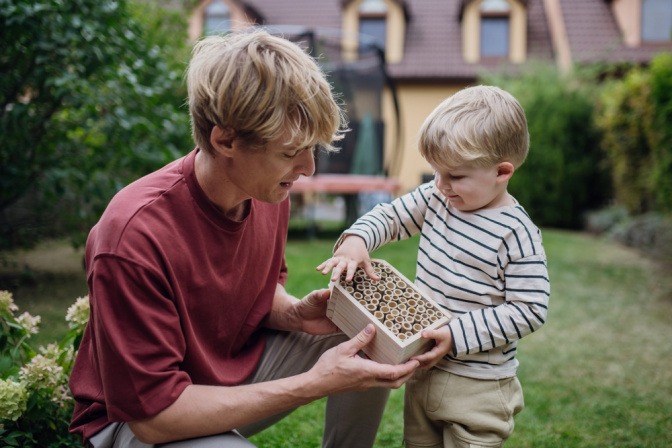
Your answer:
<point x="523" y="312"/>
<point x="394" y="221"/>
<point x="398" y="220"/>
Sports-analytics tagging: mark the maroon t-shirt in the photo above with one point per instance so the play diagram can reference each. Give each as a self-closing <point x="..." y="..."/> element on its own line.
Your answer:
<point x="178" y="293"/>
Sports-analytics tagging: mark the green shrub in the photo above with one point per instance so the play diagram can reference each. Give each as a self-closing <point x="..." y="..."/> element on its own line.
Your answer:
<point x="634" y="114"/>
<point x="563" y="176"/>
<point x="35" y="401"/>
<point x="659" y="131"/>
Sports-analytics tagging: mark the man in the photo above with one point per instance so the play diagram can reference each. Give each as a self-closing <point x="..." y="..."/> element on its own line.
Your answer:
<point x="192" y="336"/>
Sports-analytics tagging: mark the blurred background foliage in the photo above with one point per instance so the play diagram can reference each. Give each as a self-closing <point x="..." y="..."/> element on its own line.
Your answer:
<point x="563" y="176"/>
<point x="92" y="97"/>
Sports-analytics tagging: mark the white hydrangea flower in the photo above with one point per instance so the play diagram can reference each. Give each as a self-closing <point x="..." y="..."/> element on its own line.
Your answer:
<point x="42" y="373"/>
<point x="13" y="400"/>
<point x="63" y="356"/>
<point x="7" y="305"/>
<point x="78" y="312"/>
<point x="29" y="322"/>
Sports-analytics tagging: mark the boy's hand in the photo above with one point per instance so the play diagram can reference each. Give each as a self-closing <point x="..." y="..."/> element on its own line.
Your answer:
<point x="350" y="255"/>
<point x="443" y="344"/>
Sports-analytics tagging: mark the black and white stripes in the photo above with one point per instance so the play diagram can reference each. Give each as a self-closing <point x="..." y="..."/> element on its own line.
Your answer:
<point x="488" y="268"/>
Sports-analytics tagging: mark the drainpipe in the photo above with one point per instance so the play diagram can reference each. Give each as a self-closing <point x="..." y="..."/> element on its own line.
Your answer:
<point x="556" y="24"/>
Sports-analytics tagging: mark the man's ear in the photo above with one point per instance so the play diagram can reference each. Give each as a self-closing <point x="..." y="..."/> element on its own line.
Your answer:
<point x="504" y="171"/>
<point x="222" y="139"/>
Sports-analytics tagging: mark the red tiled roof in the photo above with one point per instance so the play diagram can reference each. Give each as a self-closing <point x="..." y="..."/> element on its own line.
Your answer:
<point x="434" y="42"/>
<point x="600" y="40"/>
<point x="433" y="45"/>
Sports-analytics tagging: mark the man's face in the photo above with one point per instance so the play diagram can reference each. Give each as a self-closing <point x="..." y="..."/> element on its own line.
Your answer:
<point x="268" y="174"/>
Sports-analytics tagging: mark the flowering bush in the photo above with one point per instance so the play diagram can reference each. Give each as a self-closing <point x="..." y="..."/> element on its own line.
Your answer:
<point x="35" y="401"/>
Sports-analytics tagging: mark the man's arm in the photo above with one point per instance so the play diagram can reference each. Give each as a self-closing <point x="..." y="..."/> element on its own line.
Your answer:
<point x="206" y="410"/>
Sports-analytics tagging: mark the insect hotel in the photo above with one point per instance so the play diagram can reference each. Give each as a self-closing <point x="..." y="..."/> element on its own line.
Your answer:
<point x="393" y="304"/>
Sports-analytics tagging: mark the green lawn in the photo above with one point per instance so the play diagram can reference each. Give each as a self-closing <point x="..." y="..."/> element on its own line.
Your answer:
<point x="598" y="374"/>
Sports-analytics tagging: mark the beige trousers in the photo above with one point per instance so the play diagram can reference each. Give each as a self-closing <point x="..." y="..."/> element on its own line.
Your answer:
<point x="444" y="410"/>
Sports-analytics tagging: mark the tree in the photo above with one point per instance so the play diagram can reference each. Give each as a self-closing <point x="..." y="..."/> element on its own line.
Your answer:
<point x="89" y="101"/>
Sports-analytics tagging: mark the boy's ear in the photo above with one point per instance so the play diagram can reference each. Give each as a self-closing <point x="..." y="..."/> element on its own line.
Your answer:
<point x="222" y="139"/>
<point x="505" y="171"/>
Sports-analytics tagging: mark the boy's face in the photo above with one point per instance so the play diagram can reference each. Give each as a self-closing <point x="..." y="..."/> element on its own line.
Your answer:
<point x="469" y="188"/>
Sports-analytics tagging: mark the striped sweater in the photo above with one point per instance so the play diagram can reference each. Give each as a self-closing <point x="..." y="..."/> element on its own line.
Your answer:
<point x="487" y="268"/>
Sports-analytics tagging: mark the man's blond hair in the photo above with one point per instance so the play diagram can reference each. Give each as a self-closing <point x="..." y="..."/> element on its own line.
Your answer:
<point x="263" y="87"/>
<point x="477" y="126"/>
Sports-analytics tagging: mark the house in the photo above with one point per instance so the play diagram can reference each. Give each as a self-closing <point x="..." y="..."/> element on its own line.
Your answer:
<point x="432" y="48"/>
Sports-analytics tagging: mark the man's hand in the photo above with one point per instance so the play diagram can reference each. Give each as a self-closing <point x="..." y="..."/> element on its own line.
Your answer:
<point x="311" y="313"/>
<point x="308" y="314"/>
<point x="341" y="369"/>
<point x="350" y="254"/>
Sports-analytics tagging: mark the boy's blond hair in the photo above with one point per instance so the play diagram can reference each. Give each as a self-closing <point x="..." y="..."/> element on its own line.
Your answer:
<point x="263" y="87"/>
<point x="477" y="126"/>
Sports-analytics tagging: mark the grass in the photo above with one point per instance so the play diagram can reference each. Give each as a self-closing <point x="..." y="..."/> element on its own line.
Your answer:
<point x="598" y="374"/>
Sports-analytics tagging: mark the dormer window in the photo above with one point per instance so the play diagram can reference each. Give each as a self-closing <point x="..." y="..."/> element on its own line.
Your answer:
<point x="373" y="21"/>
<point x="217" y="18"/>
<point x="495" y="28"/>
<point x="656" y="21"/>
<point x="381" y="22"/>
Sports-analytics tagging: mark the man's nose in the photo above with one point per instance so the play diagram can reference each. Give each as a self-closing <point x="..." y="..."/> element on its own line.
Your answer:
<point x="306" y="163"/>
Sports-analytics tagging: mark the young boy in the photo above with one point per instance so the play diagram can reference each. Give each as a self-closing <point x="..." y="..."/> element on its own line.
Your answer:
<point x="480" y="257"/>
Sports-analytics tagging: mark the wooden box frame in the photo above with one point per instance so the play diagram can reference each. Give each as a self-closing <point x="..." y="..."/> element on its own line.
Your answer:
<point x="351" y="312"/>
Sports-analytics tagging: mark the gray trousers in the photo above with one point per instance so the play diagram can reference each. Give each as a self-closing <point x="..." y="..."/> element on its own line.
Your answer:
<point x="351" y="420"/>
